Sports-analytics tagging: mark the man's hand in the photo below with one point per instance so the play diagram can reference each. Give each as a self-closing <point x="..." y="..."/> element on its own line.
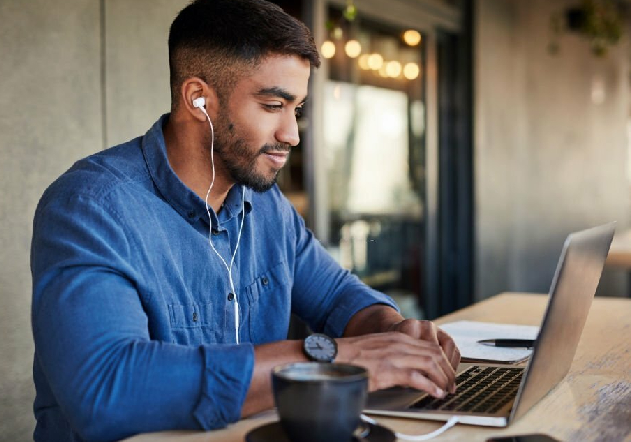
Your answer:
<point x="398" y="359"/>
<point x="428" y="331"/>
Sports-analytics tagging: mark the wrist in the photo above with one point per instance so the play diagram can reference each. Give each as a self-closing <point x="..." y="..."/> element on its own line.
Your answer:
<point x="377" y="318"/>
<point x="346" y="351"/>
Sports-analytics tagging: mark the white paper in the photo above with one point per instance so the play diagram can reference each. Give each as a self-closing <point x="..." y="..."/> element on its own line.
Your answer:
<point x="466" y="334"/>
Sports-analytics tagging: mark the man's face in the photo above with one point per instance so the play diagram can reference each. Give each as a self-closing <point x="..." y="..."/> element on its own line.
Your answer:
<point x="256" y="126"/>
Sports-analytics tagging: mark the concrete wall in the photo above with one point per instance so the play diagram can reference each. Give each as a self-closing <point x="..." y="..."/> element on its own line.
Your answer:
<point x="550" y="157"/>
<point x="49" y="116"/>
<point x="59" y="102"/>
<point x="136" y="65"/>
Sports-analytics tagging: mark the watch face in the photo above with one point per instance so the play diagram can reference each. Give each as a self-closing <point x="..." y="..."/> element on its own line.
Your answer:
<point x="320" y="347"/>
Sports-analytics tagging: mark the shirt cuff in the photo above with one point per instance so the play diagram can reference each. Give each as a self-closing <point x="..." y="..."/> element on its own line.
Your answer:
<point x="226" y="380"/>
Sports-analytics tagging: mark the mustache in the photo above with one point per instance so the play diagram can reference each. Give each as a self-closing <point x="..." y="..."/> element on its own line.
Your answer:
<point x="278" y="147"/>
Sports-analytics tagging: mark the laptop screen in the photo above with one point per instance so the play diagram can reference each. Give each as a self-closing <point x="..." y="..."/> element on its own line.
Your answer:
<point x="571" y="293"/>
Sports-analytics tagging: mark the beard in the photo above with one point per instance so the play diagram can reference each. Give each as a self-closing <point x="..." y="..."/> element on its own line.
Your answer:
<point x="240" y="159"/>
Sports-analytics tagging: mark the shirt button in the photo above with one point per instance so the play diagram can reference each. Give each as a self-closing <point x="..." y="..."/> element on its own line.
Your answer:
<point x="265" y="281"/>
<point x="230" y="296"/>
<point x="215" y="232"/>
<point x="191" y="214"/>
<point x="195" y="317"/>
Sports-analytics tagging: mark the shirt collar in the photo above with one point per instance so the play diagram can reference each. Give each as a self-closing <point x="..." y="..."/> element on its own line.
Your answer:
<point x="186" y="202"/>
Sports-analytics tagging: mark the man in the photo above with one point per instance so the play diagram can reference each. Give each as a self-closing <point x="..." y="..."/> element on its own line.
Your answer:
<point x="165" y="269"/>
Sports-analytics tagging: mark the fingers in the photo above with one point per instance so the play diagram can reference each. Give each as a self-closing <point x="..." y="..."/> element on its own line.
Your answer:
<point x="455" y="357"/>
<point x="452" y="354"/>
<point x="427" y="331"/>
<point x="410" y="378"/>
<point x="427" y="372"/>
<point x="449" y="347"/>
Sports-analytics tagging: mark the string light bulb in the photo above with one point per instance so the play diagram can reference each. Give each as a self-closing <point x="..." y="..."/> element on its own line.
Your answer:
<point x="410" y="71"/>
<point x="411" y="37"/>
<point x="375" y="61"/>
<point x="363" y="62"/>
<point x="393" y="69"/>
<point x="328" y="49"/>
<point x="353" y="48"/>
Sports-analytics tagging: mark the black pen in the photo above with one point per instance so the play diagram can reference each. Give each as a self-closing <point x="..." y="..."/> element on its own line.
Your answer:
<point x="515" y="343"/>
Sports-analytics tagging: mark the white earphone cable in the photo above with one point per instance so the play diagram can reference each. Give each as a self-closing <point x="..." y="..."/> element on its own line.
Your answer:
<point x="210" y="228"/>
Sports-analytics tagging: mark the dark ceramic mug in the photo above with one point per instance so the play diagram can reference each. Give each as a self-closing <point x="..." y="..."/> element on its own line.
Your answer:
<point x="318" y="401"/>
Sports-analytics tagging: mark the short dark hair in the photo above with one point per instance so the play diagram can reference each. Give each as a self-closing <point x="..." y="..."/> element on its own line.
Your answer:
<point x="218" y="40"/>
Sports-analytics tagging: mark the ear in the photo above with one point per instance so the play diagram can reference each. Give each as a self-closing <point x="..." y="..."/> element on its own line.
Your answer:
<point x="195" y="87"/>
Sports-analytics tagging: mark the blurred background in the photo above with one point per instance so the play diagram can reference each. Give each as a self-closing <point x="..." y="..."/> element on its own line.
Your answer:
<point x="447" y="150"/>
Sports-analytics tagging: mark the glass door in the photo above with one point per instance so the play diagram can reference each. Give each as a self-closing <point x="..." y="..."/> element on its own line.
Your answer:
<point x="374" y="115"/>
<point x="378" y="173"/>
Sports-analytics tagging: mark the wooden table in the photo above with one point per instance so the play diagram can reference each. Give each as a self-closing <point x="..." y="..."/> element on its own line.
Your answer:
<point x="593" y="402"/>
<point x="620" y="250"/>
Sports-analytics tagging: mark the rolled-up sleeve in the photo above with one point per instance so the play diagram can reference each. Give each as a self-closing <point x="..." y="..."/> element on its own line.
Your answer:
<point x="93" y="350"/>
<point x="223" y="388"/>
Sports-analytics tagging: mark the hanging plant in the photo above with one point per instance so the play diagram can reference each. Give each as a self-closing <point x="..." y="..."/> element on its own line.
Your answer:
<point x="599" y="21"/>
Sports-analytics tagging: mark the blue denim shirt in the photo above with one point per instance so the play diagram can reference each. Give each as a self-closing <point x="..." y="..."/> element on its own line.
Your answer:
<point x="133" y="324"/>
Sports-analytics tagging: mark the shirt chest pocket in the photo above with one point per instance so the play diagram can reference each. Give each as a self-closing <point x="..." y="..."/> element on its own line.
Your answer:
<point x="193" y="324"/>
<point x="268" y="306"/>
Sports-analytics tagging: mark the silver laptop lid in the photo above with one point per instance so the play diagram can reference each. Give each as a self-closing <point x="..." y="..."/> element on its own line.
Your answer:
<point x="571" y="293"/>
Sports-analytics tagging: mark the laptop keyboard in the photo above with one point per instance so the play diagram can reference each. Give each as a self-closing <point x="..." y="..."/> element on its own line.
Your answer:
<point x="479" y="390"/>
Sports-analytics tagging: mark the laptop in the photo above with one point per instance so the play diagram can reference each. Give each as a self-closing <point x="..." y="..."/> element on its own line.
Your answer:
<point x="496" y="395"/>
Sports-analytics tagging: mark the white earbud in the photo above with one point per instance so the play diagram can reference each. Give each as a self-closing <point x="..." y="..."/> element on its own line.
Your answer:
<point x="199" y="102"/>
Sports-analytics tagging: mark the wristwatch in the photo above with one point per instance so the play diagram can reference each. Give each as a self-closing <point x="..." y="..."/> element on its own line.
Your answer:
<point x="320" y="348"/>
